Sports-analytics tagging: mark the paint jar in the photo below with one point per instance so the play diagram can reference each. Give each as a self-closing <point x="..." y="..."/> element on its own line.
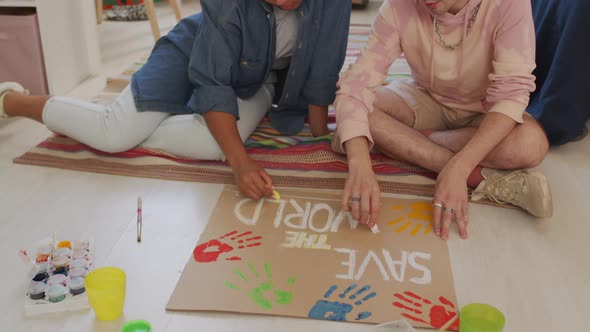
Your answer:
<point x="78" y="272"/>
<point x="80" y="254"/>
<point x="65" y="244"/>
<point x="41" y="258"/>
<point x="57" y="279"/>
<point x="56" y="293"/>
<point x="43" y="253"/>
<point x="41" y="277"/>
<point x="106" y="292"/>
<point x="60" y="270"/>
<point x="60" y="262"/>
<point x="76" y="286"/>
<point x="37" y="290"/>
<point x="45" y="250"/>
<point x="79" y="263"/>
<point x="137" y="326"/>
<point x="81" y="245"/>
<point x="62" y="252"/>
<point x="477" y="317"/>
<point x="42" y="267"/>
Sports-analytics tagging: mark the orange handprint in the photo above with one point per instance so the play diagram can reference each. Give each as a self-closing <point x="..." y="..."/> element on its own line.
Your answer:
<point x="417" y="308"/>
<point x="420" y="217"/>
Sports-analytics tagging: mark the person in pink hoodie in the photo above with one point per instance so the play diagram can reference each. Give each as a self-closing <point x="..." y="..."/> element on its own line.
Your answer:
<point x="462" y="114"/>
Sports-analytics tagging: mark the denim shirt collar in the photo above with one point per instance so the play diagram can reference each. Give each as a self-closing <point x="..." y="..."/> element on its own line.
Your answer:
<point x="303" y="7"/>
<point x="267" y="6"/>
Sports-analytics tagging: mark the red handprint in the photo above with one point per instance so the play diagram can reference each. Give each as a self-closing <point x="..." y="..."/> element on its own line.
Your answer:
<point x="211" y="250"/>
<point x="417" y="307"/>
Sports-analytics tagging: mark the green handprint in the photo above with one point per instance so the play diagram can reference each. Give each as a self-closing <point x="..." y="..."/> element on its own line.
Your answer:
<point x="261" y="295"/>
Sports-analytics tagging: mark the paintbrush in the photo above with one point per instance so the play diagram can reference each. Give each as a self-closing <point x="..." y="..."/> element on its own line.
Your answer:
<point x="139" y="223"/>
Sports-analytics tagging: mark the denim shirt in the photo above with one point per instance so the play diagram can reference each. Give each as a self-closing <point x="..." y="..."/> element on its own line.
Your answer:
<point x="226" y="52"/>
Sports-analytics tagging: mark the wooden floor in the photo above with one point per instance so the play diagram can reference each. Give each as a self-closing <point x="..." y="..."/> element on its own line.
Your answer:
<point x="536" y="271"/>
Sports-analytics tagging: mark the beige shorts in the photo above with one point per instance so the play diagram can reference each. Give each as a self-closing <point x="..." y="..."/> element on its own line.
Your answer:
<point x="428" y="113"/>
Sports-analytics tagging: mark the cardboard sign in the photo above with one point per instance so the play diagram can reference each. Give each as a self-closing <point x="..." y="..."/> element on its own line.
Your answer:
<point x="303" y="256"/>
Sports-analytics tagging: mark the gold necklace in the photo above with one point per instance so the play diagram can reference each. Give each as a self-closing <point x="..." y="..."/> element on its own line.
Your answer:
<point x="458" y="44"/>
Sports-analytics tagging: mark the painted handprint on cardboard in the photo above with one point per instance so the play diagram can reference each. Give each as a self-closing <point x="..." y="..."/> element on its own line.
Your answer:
<point x="338" y="308"/>
<point x="419" y="309"/>
<point x="224" y="246"/>
<point x="417" y="219"/>
<point x="261" y="289"/>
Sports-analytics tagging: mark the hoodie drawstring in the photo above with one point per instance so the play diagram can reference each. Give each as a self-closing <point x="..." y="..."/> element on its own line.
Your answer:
<point x="465" y="24"/>
<point x="432" y="56"/>
<point x="470" y="6"/>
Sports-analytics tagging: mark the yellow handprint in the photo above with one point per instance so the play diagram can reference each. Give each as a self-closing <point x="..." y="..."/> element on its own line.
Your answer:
<point x="420" y="217"/>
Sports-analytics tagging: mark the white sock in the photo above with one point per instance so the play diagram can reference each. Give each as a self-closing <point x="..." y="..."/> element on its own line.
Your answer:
<point x="4" y="89"/>
<point x="2" y="113"/>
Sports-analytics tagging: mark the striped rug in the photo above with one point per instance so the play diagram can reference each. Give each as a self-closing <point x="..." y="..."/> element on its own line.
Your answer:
<point x="293" y="161"/>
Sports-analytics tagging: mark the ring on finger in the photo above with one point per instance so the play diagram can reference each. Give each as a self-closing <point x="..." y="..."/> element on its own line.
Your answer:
<point x="438" y="205"/>
<point x="355" y="199"/>
<point x="449" y="210"/>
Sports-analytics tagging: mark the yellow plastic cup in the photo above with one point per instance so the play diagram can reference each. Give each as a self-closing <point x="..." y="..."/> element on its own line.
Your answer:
<point x="477" y="317"/>
<point x="106" y="292"/>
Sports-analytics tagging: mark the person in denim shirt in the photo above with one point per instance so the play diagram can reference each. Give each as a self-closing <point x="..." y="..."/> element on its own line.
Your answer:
<point x="218" y="72"/>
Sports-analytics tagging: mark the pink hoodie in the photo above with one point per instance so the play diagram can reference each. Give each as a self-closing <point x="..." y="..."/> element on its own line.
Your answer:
<point x="490" y="72"/>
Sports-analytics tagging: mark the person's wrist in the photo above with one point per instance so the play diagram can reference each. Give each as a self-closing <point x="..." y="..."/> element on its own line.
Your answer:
<point x="320" y="130"/>
<point x="357" y="151"/>
<point x="237" y="160"/>
<point x="360" y="162"/>
<point x="459" y="168"/>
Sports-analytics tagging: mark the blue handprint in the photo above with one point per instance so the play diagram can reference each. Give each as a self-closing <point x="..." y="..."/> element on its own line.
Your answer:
<point x="337" y="311"/>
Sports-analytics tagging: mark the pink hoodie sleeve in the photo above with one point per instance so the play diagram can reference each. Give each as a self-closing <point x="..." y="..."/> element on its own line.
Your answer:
<point x="511" y="81"/>
<point x="354" y="99"/>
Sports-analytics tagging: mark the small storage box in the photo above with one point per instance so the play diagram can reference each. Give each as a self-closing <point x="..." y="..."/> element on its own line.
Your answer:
<point x="21" y="55"/>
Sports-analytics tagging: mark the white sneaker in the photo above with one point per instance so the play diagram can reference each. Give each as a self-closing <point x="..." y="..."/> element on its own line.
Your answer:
<point x="526" y="189"/>
<point x="9" y="87"/>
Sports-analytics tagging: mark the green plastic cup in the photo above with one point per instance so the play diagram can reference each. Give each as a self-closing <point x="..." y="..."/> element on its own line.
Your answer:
<point x="137" y="326"/>
<point x="478" y="317"/>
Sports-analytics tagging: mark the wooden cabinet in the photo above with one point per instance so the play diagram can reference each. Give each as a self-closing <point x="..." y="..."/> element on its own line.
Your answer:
<point x="21" y="57"/>
<point x="69" y="40"/>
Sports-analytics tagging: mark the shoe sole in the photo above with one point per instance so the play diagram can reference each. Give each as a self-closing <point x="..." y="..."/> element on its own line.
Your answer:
<point x="547" y="198"/>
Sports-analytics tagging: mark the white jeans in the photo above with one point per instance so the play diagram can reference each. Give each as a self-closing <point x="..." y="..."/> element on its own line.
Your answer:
<point x="120" y="127"/>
